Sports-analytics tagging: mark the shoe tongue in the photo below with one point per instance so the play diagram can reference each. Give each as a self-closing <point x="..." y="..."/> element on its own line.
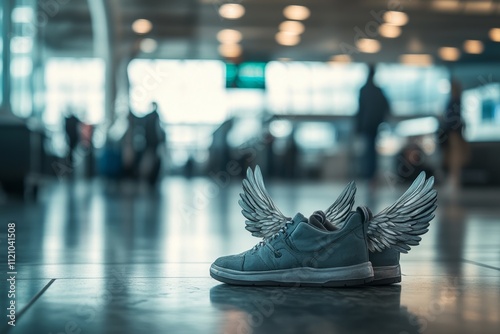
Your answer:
<point x="318" y="219"/>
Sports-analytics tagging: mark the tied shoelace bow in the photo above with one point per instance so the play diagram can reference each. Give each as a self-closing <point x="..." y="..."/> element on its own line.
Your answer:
<point x="281" y="231"/>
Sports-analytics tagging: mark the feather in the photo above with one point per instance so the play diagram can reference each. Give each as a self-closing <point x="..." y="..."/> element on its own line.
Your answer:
<point x="338" y="211"/>
<point x="400" y="225"/>
<point x="264" y="219"/>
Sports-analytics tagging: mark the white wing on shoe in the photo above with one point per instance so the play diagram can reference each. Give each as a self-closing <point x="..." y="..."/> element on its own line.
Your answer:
<point x="339" y="210"/>
<point x="264" y="219"/>
<point x="400" y="225"/>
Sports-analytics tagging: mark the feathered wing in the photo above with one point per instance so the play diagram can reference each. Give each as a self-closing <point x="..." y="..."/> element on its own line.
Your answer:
<point x="264" y="219"/>
<point x="400" y="225"/>
<point x="338" y="211"/>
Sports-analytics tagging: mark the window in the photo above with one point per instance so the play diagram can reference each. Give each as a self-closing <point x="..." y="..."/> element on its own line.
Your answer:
<point x="414" y="90"/>
<point x="314" y="88"/>
<point x="21" y="65"/>
<point x="187" y="91"/>
<point x="319" y="88"/>
<point x="74" y="85"/>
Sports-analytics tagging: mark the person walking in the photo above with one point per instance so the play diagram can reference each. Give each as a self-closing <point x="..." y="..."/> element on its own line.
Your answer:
<point x="373" y="109"/>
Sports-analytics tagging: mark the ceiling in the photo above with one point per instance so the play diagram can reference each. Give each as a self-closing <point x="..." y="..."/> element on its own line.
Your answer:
<point x="186" y="29"/>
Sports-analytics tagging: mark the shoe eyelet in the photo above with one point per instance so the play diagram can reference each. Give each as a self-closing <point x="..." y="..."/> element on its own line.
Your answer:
<point x="277" y="254"/>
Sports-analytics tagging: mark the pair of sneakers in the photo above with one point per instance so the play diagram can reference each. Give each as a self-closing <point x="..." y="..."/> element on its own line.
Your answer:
<point x="336" y="247"/>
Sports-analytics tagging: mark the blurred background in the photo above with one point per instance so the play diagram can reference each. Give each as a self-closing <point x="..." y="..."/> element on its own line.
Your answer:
<point x="126" y="127"/>
<point x="141" y="90"/>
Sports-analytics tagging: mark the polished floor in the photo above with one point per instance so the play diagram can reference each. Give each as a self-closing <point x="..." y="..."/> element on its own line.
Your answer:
<point x="97" y="257"/>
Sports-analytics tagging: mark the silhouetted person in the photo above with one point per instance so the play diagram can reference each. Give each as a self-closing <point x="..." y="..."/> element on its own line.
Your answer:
<point x="154" y="133"/>
<point x="373" y="108"/>
<point x="86" y="134"/>
<point x="71" y="127"/>
<point x="220" y="152"/>
<point x="291" y="156"/>
<point x="154" y="136"/>
<point x="454" y="146"/>
<point x="129" y="154"/>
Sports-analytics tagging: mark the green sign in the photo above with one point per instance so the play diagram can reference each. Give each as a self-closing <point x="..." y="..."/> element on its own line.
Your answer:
<point x="246" y="75"/>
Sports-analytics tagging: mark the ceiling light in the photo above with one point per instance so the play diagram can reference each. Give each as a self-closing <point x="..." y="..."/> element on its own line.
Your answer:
<point x="148" y="45"/>
<point x="367" y="45"/>
<point x="341" y="59"/>
<point x="231" y="11"/>
<point x="449" y="53"/>
<point x="415" y="45"/>
<point x="142" y="26"/>
<point x="230" y="50"/>
<point x="296" y="12"/>
<point x="287" y="39"/>
<point x="446" y="5"/>
<point x="396" y="18"/>
<point x="294" y="27"/>
<point x="478" y="7"/>
<point x="495" y="34"/>
<point x="473" y="46"/>
<point x="416" y="59"/>
<point x="389" y="31"/>
<point x="229" y="36"/>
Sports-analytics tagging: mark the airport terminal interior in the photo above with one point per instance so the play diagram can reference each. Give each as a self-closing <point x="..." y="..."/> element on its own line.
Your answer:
<point x="127" y="128"/>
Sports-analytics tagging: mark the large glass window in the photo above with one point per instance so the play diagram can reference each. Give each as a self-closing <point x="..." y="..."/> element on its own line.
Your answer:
<point x="319" y="88"/>
<point x="21" y="66"/>
<point x="191" y="99"/>
<point x="314" y="88"/>
<point x="414" y="90"/>
<point x="74" y="85"/>
<point x="187" y="91"/>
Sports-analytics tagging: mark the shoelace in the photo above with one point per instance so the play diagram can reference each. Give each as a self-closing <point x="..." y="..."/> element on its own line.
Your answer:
<point x="282" y="230"/>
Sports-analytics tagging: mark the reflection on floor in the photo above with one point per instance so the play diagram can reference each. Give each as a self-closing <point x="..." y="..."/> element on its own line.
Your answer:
<point x="127" y="260"/>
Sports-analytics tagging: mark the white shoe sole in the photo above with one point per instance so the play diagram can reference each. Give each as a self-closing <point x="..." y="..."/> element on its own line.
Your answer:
<point x="303" y="276"/>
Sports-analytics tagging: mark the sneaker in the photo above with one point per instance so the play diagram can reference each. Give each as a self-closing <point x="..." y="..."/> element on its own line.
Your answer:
<point x="387" y="234"/>
<point x="302" y="254"/>
<point x="386" y="268"/>
<point x="296" y="251"/>
<point x="396" y="228"/>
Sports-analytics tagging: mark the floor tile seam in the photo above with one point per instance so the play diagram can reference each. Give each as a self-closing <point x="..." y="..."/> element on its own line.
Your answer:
<point x="113" y="264"/>
<point x="446" y="275"/>
<point x="481" y="264"/>
<point x="106" y="277"/>
<point x="30" y="303"/>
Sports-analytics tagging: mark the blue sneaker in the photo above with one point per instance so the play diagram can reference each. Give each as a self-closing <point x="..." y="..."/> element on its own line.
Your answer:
<point x="396" y="228"/>
<point x="296" y="251"/>
<point x="302" y="254"/>
<point x="386" y="268"/>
